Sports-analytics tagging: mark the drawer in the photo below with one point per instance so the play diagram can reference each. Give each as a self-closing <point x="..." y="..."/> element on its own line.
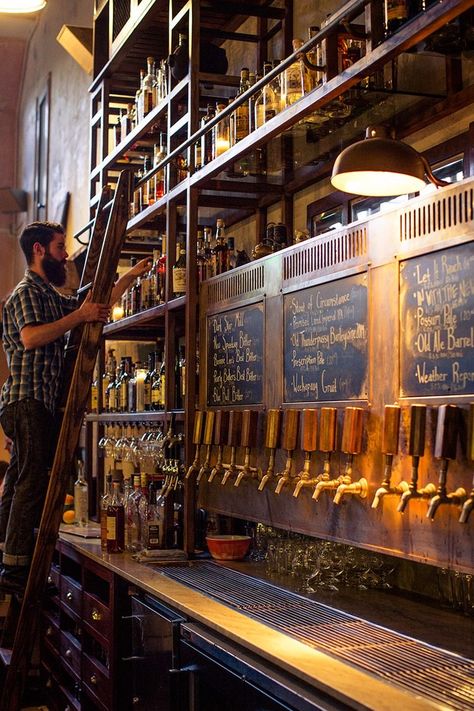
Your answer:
<point x="97" y="616"/>
<point x="97" y="681"/>
<point x="70" y="652"/>
<point x="71" y="595"/>
<point x="54" y="576"/>
<point x="49" y="632"/>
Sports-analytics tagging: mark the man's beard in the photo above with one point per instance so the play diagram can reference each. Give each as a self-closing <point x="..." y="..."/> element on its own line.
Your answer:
<point x="54" y="270"/>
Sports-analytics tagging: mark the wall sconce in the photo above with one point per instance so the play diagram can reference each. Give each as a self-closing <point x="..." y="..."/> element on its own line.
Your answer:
<point x="381" y="166"/>
<point x="18" y="7"/>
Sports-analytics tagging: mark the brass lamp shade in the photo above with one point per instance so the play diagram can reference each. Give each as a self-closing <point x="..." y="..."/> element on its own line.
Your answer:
<point x="17" y="7"/>
<point x="379" y="166"/>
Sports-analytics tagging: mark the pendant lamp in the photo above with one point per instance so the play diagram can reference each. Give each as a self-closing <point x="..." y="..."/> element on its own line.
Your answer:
<point x="381" y="166"/>
<point x="18" y="7"/>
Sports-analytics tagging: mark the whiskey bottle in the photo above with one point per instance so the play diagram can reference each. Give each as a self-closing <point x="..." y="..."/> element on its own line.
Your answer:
<point x="201" y="260"/>
<point x="139" y="111"/>
<point x="206" y="139"/>
<point x="132" y="389"/>
<point x="112" y="391"/>
<point x="180" y="378"/>
<point x="219" y="253"/>
<point x="127" y="122"/>
<point x="240" y="117"/>
<point x="266" y="103"/>
<point x="220" y="134"/>
<point x="108" y="377"/>
<point x="148" y="382"/>
<point x="123" y="384"/>
<point x="159" y="154"/>
<point x="153" y="522"/>
<point x="94" y="397"/>
<point x="149" y="88"/>
<point x="81" y="497"/>
<point x="162" y="270"/>
<point x="133" y="542"/>
<point x="179" y="271"/>
<point x="104" y="502"/>
<point x="296" y="80"/>
<point x="156" y="396"/>
<point x="115" y="521"/>
<point x="208" y="251"/>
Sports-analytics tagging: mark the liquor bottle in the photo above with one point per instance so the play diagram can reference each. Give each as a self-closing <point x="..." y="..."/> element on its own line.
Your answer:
<point x="296" y="80"/>
<point x="115" y="521"/>
<point x="162" y="380"/>
<point x="162" y="270"/>
<point x="208" y="251"/>
<point x="118" y="129"/>
<point x="231" y="255"/>
<point x="111" y="393"/>
<point x="123" y="384"/>
<point x="179" y="271"/>
<point x="145" y="187"/>
<point x="149" y="87"/>
<point x="220" y="134"/>
<point x="252" y="80"/>
<point x="133" y="542"/>
<point x="135" y="296"/>
<point x="107" y="378"/>
<point x="180" y="378"/>
<point x="240" y="117"/>
<point x="132" y="390"/>
<point x="104" y="502"/>
<point x="156" y="396"/>
<point x="178" y="61"/>
<point x="201" y="260"/>
<point x="148" y="382"/>
<point x="206" y="139"/>
<point x="219" y="253"/>
<point x="140" y="376"/>
<point x="267" y="104"/>
<point x="153" y="291"/>
<point x="139" y="98"/>
<point x="177" y="532"/>
<point x="159" y="154"/>
<point x="153" y="534"/>
<point x="137" y="192"/>
<point x="81" y="497"/>
<point x="397" y="12"/>
<point x="315" y="76"/>
<point x="94" y="398"/>
<point x="162" y="81"/>
<point x="127" y="121"/>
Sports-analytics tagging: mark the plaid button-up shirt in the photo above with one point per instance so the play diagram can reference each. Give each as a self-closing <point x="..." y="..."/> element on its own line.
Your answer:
<point x="34" y="373"/>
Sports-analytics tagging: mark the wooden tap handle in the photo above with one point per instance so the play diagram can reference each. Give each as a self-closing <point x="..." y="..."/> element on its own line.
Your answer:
<point x="391" y="429"/>
<point x="272" y="432"/>
<point x="309" y="430"/>
<point x="447" y="432"/>
<point x="221" y="427"/>
<point x="209" y="427"/>
<point x="235" y="428"/>
<point x="352" y="431"/>
<point x="328" y="429"/>
<point x="416" y="444"/>
<point x="198" y="421"/>
<point x="290" y="429"/>
<point x="249" y="428"/>
<point x="470" y="433"/>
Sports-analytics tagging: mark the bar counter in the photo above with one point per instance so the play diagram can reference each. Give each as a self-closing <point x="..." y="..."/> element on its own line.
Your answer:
<point x="350" y="685"/>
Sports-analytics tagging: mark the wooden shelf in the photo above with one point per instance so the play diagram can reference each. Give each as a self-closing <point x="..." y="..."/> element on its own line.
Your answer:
<point x="146" y="416"/>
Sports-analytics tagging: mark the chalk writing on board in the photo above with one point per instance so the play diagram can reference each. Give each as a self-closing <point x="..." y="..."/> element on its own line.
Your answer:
<point x="326" y="342"/>
<point x="235" y="357"/>
<point x="437" y="323"/>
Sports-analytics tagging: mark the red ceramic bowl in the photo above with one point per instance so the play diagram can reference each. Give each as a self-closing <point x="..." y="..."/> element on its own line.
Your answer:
<point x="228" y="547"/>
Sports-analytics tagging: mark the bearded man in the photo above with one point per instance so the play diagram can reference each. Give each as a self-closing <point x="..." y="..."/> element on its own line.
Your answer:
<point x="36" y="318"/>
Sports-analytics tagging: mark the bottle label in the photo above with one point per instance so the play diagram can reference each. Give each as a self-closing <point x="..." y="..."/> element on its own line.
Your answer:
<point x="154" y="536"/>
<point x="111" y="528"/>
<point x="179" y="280"/>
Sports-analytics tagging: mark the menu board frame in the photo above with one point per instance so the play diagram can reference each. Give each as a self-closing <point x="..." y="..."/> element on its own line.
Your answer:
<point x="217" y="326"/>
<point x="432" y="321"/>
<point x="330" y="390"/>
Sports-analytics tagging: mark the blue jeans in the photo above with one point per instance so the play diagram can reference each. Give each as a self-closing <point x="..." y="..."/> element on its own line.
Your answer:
<point x="32" y="428"/>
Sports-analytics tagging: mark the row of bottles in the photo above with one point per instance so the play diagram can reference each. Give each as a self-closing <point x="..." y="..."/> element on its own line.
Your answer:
<point x="132" y="517"/>
<point x="132" y="387"/>
<point x="153" y="88"/>
<point x="147" y="291"/>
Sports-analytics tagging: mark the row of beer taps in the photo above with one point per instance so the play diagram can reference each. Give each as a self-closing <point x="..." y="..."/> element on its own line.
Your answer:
<point x="239" y="428"/>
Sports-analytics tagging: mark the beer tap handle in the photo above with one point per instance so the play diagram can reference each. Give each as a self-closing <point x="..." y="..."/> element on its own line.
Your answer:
<point x="272" y="441"/>
<point x="328" y="429"/>
<point x="309" y="430"/>
<point x="352" y="431"/>
<point x="221" y="433"/>
<point x="197" y="439"/>
<point x="235" y="428"/>
<point x="248" y="440"/>
<point x="290" y="430"/>
<point x="445" y="449"/>
<point x="416" y="449"/>
<point x="391" y="429"/>
<point x="207" y="441"/>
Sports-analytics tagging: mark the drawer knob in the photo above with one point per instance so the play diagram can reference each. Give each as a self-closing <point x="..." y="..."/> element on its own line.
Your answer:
<point x="96" y="614"/>
<point x="50" y="580"/>
<point x="94" y="679"/>
<point x="69" y="595"/>
<point x="49" y="631"/>
<point x="68" y="654"/>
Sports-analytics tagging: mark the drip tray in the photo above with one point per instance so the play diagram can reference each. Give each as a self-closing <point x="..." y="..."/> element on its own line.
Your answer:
<point x="436" y="674"/>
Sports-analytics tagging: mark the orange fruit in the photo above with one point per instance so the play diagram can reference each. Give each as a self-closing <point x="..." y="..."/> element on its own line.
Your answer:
<point x="69" y="516"/>
<point x="69" y="500"/>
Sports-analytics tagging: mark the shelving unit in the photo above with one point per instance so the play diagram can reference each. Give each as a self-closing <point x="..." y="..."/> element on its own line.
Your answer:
<point x="122" y="43"/>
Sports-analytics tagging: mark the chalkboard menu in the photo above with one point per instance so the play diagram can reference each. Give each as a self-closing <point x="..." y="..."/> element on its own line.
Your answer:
<point x="437" y="323"/>
<point x="325" y="347"/>
<point x="235" y="357"/>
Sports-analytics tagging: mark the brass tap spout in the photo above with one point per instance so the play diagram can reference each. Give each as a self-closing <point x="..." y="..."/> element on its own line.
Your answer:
<point x="309" y="430"/>
<point x="445" y="449"/>
<point x="329" y="485"/>
<point x="218" y="468"/>
<point x="351" y="445"/>
<point x="327" y="444"/>
<point x="272" y="436"/>
<point x="246" y="469"/>
<point x="356" y="488"/>
<point x="391" y="429"/>
<point x="416" y="449"/>
<point x="233" y="441"/>
<point x="229" y="469"/>
<point x="467" y="508"/>
<point x="205" y="469"/>
<point x="386" y="489"/>
<point x="413" y="492"/>
<point x="248" y="440"/>
<point x="289" y="437"/>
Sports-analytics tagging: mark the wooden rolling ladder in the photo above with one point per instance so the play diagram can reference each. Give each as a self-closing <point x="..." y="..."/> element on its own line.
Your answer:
<point x="21" y="624"/>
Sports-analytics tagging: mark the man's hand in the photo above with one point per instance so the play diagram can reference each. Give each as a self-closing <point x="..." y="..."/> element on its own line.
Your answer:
<point x="90" y="311"/>
<point x="122" y="284"/>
